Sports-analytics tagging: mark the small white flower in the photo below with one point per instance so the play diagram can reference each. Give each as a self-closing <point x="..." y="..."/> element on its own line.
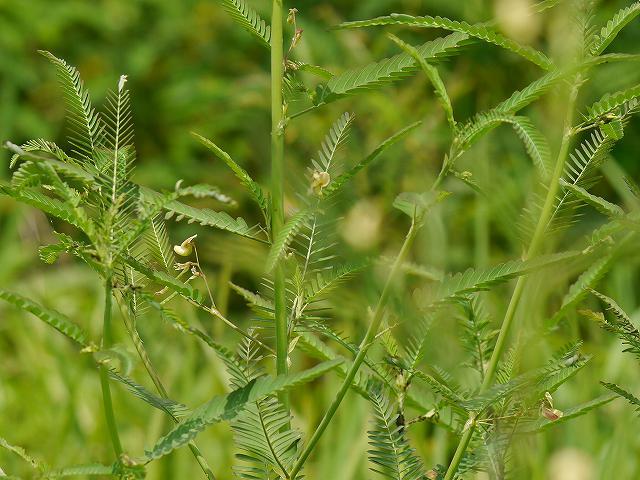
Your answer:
<point x="186" y="247"/>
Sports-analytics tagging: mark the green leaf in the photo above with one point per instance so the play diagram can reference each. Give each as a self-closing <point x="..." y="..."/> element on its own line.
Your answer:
<point x="434" y="77"/>
<point x="285" y="237"/>
<point x="166" y="280"/>
<point x="480" y="31"/>
<point x="417" y="205"/>
<point x="612" y="101"/>
<point x="610" y="31"/>
<point x="543" y="423"/>
<point x="133" y="472"/>
<point x="390" y="452"/>
<point x="534" y="142"/>
<point x="603" y="206"/>
<point x="247" y="18"/>
<point x="84" y="124"/>
<point x="57" y="320"/>
<point x="21" y="452"/>
<point x="172" y="408"/>
<point x="386" y="71"/>
<point x="265" y="439"/>
<point x="336" y="185"/>
<point x="337" y="135"/>
<point x="52" y="206"/>
<point x="227" y="407"/>
<point x="208" y="217"/>
<point x="254" y="189"/>
<point x="580" y="288"/>
<point x="632" y="399"/>
<point x="483" y="279"/>
<point x="326" y="281"/>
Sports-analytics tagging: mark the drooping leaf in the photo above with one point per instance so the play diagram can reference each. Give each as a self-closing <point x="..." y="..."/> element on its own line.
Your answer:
<point x="434" y="77"/>
<point x="247" y="18"/>
<point x="383" y="72"/>
<point x="481" y="31"/>
<point x="254" y="189"/>
<point x="621" y="392"/>
<point x="227" y="407"/>
<point x="53" y="318"/>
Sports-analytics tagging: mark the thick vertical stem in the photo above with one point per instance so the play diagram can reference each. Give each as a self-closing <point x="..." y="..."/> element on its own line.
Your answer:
<point x="366" y="343"/>
<point x="532" y="251"/>
<point x="277" y="180"/>
<point x="107" y="340"/>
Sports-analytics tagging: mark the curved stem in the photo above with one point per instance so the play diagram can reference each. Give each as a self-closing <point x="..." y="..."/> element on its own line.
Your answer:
<point x="366" y="343"/>
<point x="532" y="251"/>
<point x="107" y="340"/>
<point x="277" y="181"/>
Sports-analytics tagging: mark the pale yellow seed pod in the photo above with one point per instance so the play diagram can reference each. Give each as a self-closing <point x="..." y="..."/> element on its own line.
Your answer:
<point x="185" y="248"/>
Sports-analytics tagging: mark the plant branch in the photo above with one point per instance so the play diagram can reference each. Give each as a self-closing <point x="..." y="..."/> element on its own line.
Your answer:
<point x="366" y="343"/>
<point x="277" y="182"/>
<point x="532" y="251"/>
<point x="107" y="340"/>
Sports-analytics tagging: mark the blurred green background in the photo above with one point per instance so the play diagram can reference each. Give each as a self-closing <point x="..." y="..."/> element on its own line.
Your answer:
<point x="191" y="69"/>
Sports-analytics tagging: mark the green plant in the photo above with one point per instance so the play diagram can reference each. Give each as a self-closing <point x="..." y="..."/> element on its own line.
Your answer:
<point x="118" y="230"/>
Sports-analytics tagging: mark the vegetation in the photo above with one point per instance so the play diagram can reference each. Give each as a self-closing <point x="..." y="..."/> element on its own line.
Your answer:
<point x="318" y="310"/>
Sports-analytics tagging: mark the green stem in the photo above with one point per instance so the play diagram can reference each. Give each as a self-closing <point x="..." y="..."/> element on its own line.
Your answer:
<point x="155" y="378"/>
<point x="277" y="180"/>
<point x="107" y="340"/>
<point x="532" y="251"/>
<point x="366" y="343"/>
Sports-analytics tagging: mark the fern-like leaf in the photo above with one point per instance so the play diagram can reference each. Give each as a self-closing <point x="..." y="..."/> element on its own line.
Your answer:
<point x="285" y="237"/>
<point x="480" y="31"/>
<point x="434" y="77"/>
<point x="254" y="189"/>
<point x="337" y="135"/>
<point x="84" y="123"/>
<point x="265" y="439"/>
<point x="208" y="217"/>
<point x="227" y="407"/>
<point x="246" y="17"/>
<point x="389" y="452"/>
<point x="603" y="206"/>
<point x="386" y="71"/>
<point x="533" y="140"/>
<point x="336" y="185"/>
<point x="622" y="325"/>
<point x="621" y="392"/>
<point x="482" y="279"/>
<point x="543" y="424"/>
<point x="609" y="103"/>
<point x="610" y="31"/>
<point x="51" y="317"/>
<point x="325" y="282"/>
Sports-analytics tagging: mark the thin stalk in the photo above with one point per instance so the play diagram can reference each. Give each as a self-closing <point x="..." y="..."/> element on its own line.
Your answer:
<point x="532" y="251"/>
<point x="366" y="343"/>
<point x="155" y="378"/>
<point x="277" y="181"/>
<point x="107" y="340"/>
